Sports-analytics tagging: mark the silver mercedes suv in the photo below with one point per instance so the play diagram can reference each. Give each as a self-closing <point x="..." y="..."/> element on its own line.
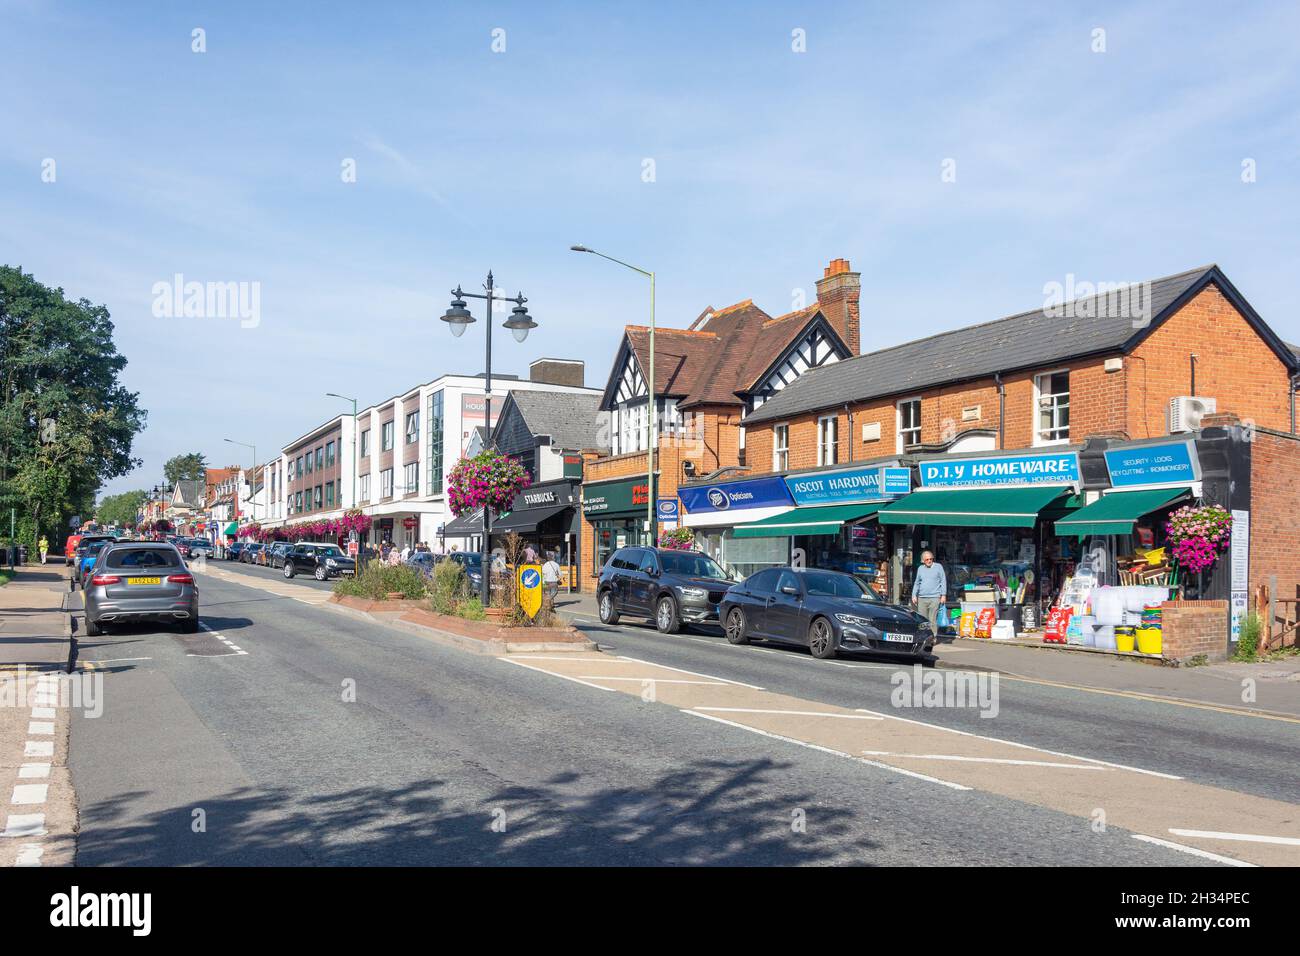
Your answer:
<point x="140" y="580"/>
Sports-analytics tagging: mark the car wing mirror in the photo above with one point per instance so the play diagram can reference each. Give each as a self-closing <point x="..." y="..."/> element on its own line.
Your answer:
<point x="790" y="590"/>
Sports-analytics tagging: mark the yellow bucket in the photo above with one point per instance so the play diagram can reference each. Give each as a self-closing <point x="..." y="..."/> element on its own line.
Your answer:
<point x="1124" y="639"/>
<point x="1148" y="640"/>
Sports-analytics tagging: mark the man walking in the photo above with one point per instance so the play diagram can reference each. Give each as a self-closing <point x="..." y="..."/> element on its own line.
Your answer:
<point x="45" y="548"/>
<point x="550" y="580"/>
<point x="930" y="590"/>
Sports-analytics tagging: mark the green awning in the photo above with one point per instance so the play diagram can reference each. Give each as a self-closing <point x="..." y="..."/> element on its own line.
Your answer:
<point x="232" y="529"/>
<point x="819" y="519"/>
<point x="975" y="507"/>
<point x="1116" y="512"/>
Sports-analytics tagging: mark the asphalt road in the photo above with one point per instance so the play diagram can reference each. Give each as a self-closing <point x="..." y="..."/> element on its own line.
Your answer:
<point x="208" y="755"/>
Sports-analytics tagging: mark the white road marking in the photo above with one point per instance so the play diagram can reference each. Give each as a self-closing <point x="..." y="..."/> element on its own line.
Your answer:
<point x="653" y="680"/>
<point x="999" y="760"/>
<point x="1203" y="854"/>
<point x="24" y="825"/>
<point x="30" y="793"/>
<point x="40" y="727"/>
<point x="791" y="713"/>
<point x="1013" y="743"/>
<point x="542" y="670"/>
<point x="1245" y="837"/>
<point x="31" y="771"/>
<point x="794" y="657"/>
<point x="562" y="657"/>
<point x="38" y="748"/>
<point x="29" y="854"/>
<point x="43" y="713"/>
<point x="682" y="670"/>
<point x="828" y="750"/>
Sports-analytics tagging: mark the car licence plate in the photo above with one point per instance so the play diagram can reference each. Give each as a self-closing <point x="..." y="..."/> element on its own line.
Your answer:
<point x="899" y="638"/>
<point x="144" y="580"/>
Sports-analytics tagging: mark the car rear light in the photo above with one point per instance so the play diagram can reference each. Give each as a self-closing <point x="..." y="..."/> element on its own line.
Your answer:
<point x="180" y="579"/>
<point x="99" y="580"/>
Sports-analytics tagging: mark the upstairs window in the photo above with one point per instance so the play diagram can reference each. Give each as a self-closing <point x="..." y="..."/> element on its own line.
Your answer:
<point x="1052" y="400"/>
<point x="828" y="440"/>
<point x="780" y="447"/>
<point x="909" y="423"/>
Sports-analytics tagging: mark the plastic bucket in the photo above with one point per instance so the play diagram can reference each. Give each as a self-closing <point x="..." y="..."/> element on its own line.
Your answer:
<point x="1124" y="639"/>
<point x="1149" y="640"/>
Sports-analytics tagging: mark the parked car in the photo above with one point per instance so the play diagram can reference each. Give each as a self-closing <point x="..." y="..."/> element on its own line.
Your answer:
<point x="424" y="562"/>
<point x="250" y="552"/>
<point x="472" y="562"/>
<point x="275" y="553"/>
<point x="669" y="587"/>
<point x="87" y="551"/>
<point x="183" y="546"/>
<point x="322" y="560"/>
<point x="70" y="548"/>
<point x="233" y="550"/>
<point x="825" y="611"/>
<point x="139" y="580"/>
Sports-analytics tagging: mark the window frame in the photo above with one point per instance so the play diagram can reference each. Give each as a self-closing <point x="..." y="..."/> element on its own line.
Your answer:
<point x="902" y="444"/>
<point x="1039" y="441"/>
<point x="778" y="449"/>
<point x="834" y="446"/>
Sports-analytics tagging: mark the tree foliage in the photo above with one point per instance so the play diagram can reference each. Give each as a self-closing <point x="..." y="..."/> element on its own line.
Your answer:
<point x="120" y="509"/>
<point x="66" y="421"/>
<point x="190" y="467"/>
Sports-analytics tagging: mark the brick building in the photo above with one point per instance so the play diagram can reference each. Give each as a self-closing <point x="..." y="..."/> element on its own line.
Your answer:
<point x="708" y="378"/>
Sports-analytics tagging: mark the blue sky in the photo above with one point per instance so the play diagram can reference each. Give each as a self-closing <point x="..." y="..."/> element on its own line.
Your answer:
<point x="225" y="166"/>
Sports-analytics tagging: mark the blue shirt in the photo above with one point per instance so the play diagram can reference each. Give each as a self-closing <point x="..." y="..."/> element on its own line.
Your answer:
<point x="930" y="582"/>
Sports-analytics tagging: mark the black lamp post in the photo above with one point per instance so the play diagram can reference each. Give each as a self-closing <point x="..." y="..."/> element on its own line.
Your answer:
<point x="520" y="324"/>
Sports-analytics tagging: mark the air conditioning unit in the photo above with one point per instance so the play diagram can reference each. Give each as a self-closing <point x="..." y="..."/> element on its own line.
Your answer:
<point x="1186" y="412"/>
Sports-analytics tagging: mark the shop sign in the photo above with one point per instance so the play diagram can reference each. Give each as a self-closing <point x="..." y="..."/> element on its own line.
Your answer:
<point x="542" y="496"/>
<point x="846" y="487"/>
<point x="1240" y="551"/>
<point x="666" y="509"/>
<point x="573" y="466"/>
<point x="615" y="497"/>
<point x="1003" y="471"/>
<point x="737" y="495"/>
<point x="1175" y="462"/>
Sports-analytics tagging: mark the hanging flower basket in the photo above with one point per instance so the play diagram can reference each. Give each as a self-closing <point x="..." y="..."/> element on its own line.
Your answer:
<point x="679" y="539"/>
<point x="488" y="480"/>
<point x="1197" y="534"/>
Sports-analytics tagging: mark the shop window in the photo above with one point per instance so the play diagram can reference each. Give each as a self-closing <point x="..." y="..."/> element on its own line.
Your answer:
<point x="828" y="440"/>
<point x="1052" y="396"/>
<point x="780" y="447"/>
<point x="909" y="423"/>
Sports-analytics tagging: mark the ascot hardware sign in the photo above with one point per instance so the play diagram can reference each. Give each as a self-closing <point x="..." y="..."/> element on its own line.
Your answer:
<point x="1005" y="471"/>
<point x="846" y="487"/>
<point x="1175" y="462"/>
<point x="738" y="495"/>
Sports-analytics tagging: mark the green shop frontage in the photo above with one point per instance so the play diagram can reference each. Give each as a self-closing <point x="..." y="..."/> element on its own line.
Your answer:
<point x="617" y="512"/>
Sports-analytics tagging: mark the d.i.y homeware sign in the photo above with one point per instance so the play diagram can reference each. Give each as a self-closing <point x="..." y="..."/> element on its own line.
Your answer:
<point x="1004" y="471"/>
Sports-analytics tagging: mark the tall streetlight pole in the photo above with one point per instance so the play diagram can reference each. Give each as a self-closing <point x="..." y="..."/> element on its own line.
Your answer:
<point x="252" y="491"/>
<point x="652" y="439"/>
<point x="520" y="324"/>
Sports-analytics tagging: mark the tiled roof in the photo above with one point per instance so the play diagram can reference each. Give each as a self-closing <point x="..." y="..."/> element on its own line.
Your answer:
<point x="572" y="419"/>
<point x="1028" y="340"/>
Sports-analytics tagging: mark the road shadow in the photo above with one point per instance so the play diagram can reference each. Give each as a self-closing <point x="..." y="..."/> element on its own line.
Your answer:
<point x="710" y="812"/>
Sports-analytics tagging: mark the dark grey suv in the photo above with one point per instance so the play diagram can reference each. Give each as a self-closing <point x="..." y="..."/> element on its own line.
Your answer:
<point x="671" y="588"/>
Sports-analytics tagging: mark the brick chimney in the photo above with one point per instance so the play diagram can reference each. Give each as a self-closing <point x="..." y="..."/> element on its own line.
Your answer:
<point x="837" y="296"/>
<point x="553" y="371"/>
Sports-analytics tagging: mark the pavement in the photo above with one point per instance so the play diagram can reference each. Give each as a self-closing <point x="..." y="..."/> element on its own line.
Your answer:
<point x="325" y="739"/>
<point x="37" y="803"/>
<point x="1271" y="687"/>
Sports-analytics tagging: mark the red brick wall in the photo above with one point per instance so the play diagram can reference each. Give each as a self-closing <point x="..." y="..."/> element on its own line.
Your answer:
<point x="1192" y="628"/>
<point x="1234" y="365"/>
<point x="1275" y="511"/>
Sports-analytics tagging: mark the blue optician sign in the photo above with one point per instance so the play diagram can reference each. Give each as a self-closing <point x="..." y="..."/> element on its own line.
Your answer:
<point x="666" y="508"/>
<point x="846" y="487"/>
<point x="1153" y="465"/>
<point x="1004" y="471"/>
<point x="735" y="495"/>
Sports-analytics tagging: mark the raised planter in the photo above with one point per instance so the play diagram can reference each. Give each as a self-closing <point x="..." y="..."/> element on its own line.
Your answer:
<point x="393" y="604"/>
<point x="492" y="631"/>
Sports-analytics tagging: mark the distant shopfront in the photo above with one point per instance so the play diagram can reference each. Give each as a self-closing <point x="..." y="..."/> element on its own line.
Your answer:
<point x="617" y="513"/>
<point x="545" y="516"/>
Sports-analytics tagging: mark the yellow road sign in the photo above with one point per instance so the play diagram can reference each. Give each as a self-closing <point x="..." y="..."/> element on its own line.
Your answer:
<point x="530" y="588"/>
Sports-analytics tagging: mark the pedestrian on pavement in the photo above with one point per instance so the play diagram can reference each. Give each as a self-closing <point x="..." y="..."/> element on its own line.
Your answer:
<point x="45" y="548"/>
<point x="550" y="580"/>
<point x="406" y="551"/>
<point x="930" y="590"/>
<point x="530" y="555"/>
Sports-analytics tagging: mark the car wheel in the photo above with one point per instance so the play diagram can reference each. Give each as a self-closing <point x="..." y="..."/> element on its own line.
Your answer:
<point x="668" y="619"/>
<point x="925" y="660"/>
<point x="93" y="629"/>
<point x="608" y="613"/>
<point x="821" y="639"/>
<point x="321" y="573"/>
<point x="736" y="625"/>
<point x="288" y="569"/>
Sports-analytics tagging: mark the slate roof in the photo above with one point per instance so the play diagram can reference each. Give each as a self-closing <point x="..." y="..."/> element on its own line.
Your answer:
<point x="1028" y="340"/>
<point x="718" y="363"/>
<point x="572" y="419"/>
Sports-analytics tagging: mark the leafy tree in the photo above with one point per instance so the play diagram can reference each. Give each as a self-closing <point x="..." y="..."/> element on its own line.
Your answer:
<point x="120" y="509"/>
<point x="66" y="422"/>
<point x="191" y="467"/>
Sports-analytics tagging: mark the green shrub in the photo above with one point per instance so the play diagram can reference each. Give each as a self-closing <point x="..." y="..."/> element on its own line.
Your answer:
<point x="377" y="580"/>
<point x="448" y="588"/>
<point x="1248" y="640"/>
<point x="471" y="610"/>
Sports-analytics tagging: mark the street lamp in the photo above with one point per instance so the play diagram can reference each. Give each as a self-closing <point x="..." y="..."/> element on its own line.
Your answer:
<point x="653" y="438"/>
<point x="252" y="492"/>
<point x="520" y="324"/>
